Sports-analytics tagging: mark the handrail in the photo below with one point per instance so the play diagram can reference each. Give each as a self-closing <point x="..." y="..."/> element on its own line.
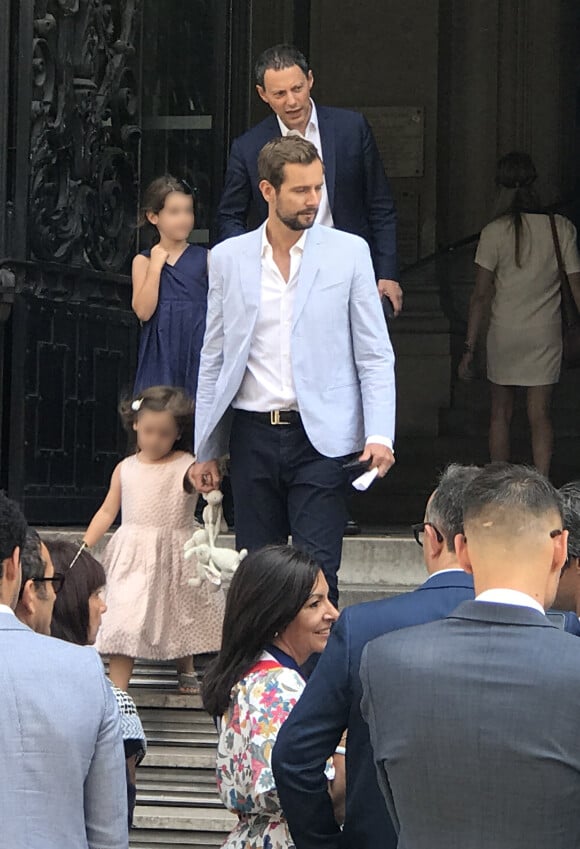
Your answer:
<point x="467" y="240"/>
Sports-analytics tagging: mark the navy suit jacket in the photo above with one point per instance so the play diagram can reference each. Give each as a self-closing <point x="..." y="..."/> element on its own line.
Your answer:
<point x="329" y="704"/>
<point x="473" y="721"/>
<point x="358" y="191"/>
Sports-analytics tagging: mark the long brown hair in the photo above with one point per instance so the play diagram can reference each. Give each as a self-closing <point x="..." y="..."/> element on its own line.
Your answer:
<point x="515" y="178"/>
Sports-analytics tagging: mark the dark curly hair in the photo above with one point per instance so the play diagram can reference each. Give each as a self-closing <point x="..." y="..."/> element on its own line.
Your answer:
<point x="160" y="399"/>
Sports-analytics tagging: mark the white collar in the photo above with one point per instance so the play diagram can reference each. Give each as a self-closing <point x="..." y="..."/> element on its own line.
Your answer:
<point x="299" y="245"/>
<point x="312" y="121"/>
<point x="5" y="609"/>
<point x="443" y="571"/>
<point x="505" y="596"/>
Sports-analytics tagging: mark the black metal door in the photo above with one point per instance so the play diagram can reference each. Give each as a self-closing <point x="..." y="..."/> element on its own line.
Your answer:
<point x="70" y="363"/>
<point x="95" y="99"/>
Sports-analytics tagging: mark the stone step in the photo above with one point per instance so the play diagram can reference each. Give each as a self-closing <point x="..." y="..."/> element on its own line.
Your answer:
<point x="178" y="727"/>
<point x="163" y="825"/>
<point x="372" y="564"/>
<point x="144" y="838"/>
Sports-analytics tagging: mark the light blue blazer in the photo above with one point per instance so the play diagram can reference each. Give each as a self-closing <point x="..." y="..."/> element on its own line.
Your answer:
<point x="342" y="358"/>
<point x="62" y="763"/>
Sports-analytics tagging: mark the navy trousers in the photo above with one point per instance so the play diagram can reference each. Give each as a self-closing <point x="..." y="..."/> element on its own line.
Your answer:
<point x="282" y="485"/>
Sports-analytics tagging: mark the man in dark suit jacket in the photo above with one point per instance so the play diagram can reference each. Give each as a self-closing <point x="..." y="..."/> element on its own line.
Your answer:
<point x="356" y="198"/>
<point x="330" y="702"/>
<point x="474" y="719"/>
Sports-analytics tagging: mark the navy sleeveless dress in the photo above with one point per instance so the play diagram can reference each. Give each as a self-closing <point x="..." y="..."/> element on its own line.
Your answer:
<point x="171" y="340"/>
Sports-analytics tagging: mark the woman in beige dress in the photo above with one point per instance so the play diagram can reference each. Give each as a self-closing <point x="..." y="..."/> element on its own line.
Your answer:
<point x="517" y="269"/>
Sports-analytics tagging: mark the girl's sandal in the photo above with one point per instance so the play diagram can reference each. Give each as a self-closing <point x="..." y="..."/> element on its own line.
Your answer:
<point x="188" y="683"/>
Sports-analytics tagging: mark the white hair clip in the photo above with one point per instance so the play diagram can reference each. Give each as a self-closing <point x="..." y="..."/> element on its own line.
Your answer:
<point x="136" y="405"/>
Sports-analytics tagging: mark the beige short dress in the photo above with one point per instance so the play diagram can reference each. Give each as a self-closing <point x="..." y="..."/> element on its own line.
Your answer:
<point x="152" y="612"/>
<point x="524" y="340"/>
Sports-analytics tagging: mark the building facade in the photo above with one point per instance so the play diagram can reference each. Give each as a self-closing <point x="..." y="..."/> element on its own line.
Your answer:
<point x="97" y="98"/>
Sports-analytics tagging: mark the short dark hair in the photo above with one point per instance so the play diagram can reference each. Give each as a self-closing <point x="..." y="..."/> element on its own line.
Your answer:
<point x="445" y="509"/>
<point x="266" y="593"/>
<point x="70" y="617"/>
<point x="510" y="489"/>
<point x="160" y="399"/>
<point x="31" y="562"/>
<point x="570" y="494"/>
<point x="13" y="529"/>
<point x="290" y="149"/>
<point x="278" y="57"/>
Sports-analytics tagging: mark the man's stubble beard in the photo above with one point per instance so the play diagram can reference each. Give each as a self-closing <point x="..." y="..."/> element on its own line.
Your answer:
<point x="294" y="223"/>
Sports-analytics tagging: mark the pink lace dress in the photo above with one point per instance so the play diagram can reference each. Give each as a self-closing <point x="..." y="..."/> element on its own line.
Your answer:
<point x="152" y="612"/>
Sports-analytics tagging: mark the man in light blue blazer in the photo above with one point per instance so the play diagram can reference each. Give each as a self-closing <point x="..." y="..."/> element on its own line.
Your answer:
<point x="297" y="369"/>
<point x="62" y="765"/>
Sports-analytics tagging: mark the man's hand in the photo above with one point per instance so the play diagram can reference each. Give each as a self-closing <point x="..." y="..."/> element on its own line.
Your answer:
<point x="381" y="457"/>
<point x="390" y="289"/>
<point x="204" y="476"/>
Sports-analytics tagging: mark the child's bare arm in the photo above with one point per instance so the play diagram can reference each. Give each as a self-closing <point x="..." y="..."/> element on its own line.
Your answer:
<point x="107" y="512"/>
<point x="146" y="274"/>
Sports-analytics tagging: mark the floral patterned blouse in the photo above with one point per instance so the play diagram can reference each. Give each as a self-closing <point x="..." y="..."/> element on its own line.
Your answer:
<point x="259" y="705"/>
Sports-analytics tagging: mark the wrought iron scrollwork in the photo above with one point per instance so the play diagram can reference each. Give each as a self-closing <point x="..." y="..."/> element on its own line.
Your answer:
<point x="84" y="132"/>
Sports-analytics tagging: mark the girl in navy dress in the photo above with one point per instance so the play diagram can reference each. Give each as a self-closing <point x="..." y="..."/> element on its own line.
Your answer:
<point x="170" y="291"/>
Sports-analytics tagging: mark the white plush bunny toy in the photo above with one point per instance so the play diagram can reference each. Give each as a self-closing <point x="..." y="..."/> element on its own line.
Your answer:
<point x="213" y="563"/>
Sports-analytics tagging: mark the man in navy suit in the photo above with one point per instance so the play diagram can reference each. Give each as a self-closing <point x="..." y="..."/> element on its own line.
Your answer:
<point x="473" y="719"/>
<point x="331" y="701"/>
<point x="356" y="197"/>
<point x="568" y="597"/>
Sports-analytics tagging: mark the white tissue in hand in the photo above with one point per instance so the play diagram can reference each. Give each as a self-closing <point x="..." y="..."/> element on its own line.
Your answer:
<point x="365" y="480"/>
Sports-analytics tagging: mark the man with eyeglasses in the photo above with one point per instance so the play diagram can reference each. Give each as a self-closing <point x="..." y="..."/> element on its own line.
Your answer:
<point x="39" y="585"/>
<point x="62" y="775"/>
<point x="331" y="701"/>
<point x="568" y="596"/>
<point x="473" y="719"/>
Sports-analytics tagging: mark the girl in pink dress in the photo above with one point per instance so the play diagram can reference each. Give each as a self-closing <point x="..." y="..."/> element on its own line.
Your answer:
<point x="153" y="612"/>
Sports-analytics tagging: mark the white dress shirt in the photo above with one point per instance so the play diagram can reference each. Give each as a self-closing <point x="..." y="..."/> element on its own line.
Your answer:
<point x="268" y="383"/>
<point x="312" y="134"/>
<point x="505" y="596"/>
<point x="5" y="609"/>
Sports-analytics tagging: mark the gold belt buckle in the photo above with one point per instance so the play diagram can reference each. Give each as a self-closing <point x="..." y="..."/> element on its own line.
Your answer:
<point x="275" y="418"/>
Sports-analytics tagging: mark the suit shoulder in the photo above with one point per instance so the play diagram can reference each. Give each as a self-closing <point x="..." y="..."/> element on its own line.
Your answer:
<point x="231" y="246"/>
<point x="50" y="652"/>
<point x="266" y="129"/>
<point x="341" y="238"/>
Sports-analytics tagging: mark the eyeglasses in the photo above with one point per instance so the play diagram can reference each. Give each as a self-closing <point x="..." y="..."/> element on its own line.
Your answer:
<point x="419" y="530"/>
<point x="57" y="580"/>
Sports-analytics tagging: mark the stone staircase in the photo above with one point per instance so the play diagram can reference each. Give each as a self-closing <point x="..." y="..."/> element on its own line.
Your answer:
<point x="177" y="800"/>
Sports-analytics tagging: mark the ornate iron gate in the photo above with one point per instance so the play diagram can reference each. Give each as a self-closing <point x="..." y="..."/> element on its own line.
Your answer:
<point x="96" y="97"/>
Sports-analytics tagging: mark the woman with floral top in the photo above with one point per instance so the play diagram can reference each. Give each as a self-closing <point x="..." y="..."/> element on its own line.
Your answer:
<point x="277" y="615"/>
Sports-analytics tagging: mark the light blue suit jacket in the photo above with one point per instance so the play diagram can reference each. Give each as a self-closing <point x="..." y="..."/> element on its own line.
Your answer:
<point x="62" y="763"/>
<point x="342" y="358"/>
